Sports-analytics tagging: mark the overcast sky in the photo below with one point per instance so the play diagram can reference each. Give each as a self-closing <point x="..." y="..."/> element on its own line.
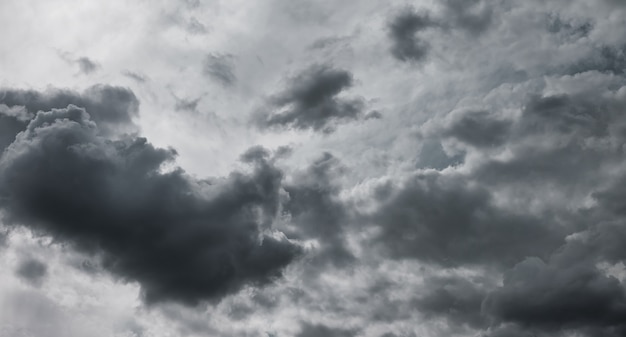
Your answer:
<point x="308" y="168"/>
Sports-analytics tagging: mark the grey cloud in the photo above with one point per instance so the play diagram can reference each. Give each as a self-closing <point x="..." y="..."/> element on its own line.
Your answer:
<point x="456" y="298"/>
<point x="194" y="26"/>
<point x="606" y="59"/>
<point x="112" y="108"/>
<point x="478" y="129"/>
<point x="317" y="213"/>
<point x="220" y="68"/>
<point x="548" y="142"/>
<point x="571" y="28"/>
<point x="32" y="270"/>
<point x="311" y="101"/>
<point x="12" y="120"/>
<point x="135" y="76"/>
<point x="320" y="330"/>
<point x="86" y="65"/>
<point x="432" y="155"/>
<point x="183" y="104"/>
<point x="403" y="29"/>
<point x="444" y="220"/>
<point x="179" y="238"/>
<point x="473" y="16"/>
<point x="552" y="296"/>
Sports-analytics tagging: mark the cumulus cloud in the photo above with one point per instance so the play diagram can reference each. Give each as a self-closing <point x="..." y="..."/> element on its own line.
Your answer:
<point x="181" y="239"/>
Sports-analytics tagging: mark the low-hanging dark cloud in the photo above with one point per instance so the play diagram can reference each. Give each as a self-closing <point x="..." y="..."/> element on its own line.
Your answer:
<point x="181" y="239"/>
<point x="558" y="297"/>
<point x="311" y="101"/>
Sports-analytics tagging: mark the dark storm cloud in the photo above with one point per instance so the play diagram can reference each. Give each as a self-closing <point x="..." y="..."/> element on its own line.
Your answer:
<point x="311" y="101"/>
<point x="554" y="296"/>
<point x="316" y="211"/>
<point x="447" y="221"/>
<point x="220" y="68"/>
<point x="112" y="108"/>
<point x="32" y="271"/>
<point x="320" y="330"/>
<point x="179" y="238"/>
<point x="403" y="29"/>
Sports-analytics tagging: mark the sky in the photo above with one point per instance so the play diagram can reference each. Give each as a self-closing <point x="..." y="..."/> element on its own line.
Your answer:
<point x="313" y="168"/>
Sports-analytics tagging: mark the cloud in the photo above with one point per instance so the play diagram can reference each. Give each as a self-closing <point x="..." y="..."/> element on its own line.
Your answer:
<point x="32" y="271"/>
<point x="553" y="296"/>
<point x="448" y="221"/>
<point x="220" y="68"/>
<point x="311" y="101"/>
<point x="319" y="330"/>
<point x="457" y="298"/>
<point x="316" y="211"/>
<point x="112" y="108"/>
<point x="478" y="129"/>
<point x="86" y="65"/>
<point x="403" y="29"/>
<point x="135" y="76"/>
<point x="473" y="16"/>
<point x="181" y="239"/>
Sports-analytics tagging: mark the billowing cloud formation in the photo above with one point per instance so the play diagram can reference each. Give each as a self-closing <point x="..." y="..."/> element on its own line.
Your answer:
<point x="181" y="239"/>
<point x="311" y="101"/>
<point x="112" y="108"/>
